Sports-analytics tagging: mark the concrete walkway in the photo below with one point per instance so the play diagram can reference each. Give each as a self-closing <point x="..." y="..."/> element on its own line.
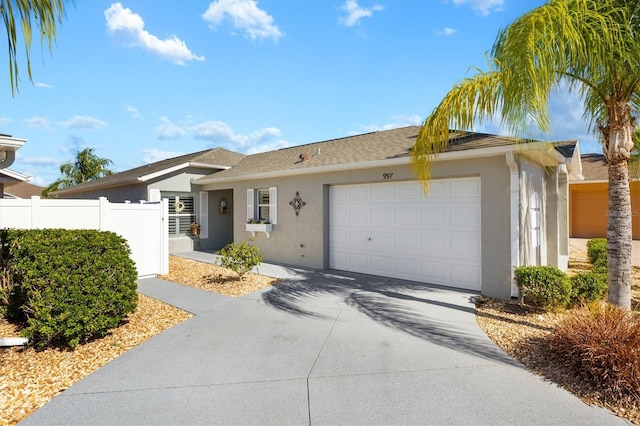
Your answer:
<point x="319" y="348"/>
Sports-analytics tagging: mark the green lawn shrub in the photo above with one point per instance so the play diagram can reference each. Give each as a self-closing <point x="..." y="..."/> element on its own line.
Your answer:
<point x="597" y="254"/>
<point x="588" y="287"/>
<point x="68" y="285"/>
<point x="240" y="258"/>
<point x="601" y="346"/>
<point x="546" y="287"/>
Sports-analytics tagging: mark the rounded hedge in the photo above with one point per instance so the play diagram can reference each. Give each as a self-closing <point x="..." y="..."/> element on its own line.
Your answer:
<point x="69" y="285"/>
<point x="546" y="287"/>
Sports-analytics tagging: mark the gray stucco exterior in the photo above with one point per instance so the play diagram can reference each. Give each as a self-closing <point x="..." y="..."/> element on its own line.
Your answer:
<point x="303" y="240"/>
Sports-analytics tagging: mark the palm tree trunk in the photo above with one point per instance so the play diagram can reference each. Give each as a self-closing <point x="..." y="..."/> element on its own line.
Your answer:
<point x="619" y="233"/>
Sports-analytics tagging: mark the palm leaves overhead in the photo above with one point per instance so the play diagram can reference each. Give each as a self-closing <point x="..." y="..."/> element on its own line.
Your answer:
<point x="590" y="46"/>
<point x="25" y="14"/>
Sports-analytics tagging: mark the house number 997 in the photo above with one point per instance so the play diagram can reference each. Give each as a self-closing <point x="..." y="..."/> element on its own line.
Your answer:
<point x="387" y="176"/>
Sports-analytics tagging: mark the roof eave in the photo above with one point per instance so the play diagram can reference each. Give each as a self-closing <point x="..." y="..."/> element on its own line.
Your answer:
<point x="447" y="156"/>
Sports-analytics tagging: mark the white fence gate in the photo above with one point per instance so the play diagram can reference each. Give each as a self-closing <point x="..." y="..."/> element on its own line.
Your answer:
<point x="143" y="225"/>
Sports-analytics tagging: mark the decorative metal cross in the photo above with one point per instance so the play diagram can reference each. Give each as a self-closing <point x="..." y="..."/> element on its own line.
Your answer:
<point x="297" y="203"/>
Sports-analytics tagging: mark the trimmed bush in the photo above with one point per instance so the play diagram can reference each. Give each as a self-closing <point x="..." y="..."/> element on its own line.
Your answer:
<point x="68" y="285"/>
<point x="588" y="287"/>
<point x="601" y="348"/>
<point x="240" y="258"/>
<point x="597" y="253"/>
<point x="546" y="287"/>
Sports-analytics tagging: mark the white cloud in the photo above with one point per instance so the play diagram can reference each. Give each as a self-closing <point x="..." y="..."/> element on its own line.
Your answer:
<point x="221" y="134"/>
<point x="446" y="31"/>
<point x="279" y="144"/>
<point x="168" y="130"/>
<point x="39" y="161"/>
<point x="244" y="15"/>
<point x="83" y="122"/>
<point x="355" y="12"/>
<point x="398" y="121"/>
<point x="133" y="111"/>
<point x="5" y="120"/>
<point x="41" y="123"/>
<point x="483" y="7"/>
<point x="43" y="85"/>
<point x="151" y="155"/>
<point x="123" y="21"/>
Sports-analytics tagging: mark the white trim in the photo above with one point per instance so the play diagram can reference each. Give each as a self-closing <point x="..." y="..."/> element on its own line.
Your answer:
<point x="203" y="214"/>
<point x="273" y="205"/>
<point x="10" y="143"/>
<point x="180" y="167"/>
<point x="14" y="175"/>
<point x="540" y="150"/>
<point x="250" y="211"/>
<point x="514" y="217"/>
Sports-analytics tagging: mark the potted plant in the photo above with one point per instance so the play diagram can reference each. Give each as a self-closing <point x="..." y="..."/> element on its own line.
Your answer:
<point x="195" y="228"/>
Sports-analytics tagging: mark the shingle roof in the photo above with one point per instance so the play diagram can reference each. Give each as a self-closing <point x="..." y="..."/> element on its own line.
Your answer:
<point x="22" y="189"/>
<point x="594" y="167"/>
<point x="215" y="156"/>
<point x="380" y="145"/>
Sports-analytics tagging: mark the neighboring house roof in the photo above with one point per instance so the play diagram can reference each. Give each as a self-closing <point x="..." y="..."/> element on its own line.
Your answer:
<point x="21" y="190"/>
<point x="594" y="168"/>
<point x="365" y="149"/>
<point x="217" y="158"/>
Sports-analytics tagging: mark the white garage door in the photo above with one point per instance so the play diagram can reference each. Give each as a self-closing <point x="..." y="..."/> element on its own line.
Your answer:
<point x="394" y="230"/>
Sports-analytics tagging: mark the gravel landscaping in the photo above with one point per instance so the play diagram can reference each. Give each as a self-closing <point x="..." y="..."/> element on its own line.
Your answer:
<point x="30" y="378"/>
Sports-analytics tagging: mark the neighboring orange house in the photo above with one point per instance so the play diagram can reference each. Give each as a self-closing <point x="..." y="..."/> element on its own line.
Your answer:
<point x="588" y="200"/>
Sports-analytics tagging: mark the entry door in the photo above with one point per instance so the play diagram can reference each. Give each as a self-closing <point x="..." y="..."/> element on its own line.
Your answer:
<point x="394" y="230"/>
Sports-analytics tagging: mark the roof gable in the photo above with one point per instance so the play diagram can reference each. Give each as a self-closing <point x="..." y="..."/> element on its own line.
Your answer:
<point x="217" y="158"/>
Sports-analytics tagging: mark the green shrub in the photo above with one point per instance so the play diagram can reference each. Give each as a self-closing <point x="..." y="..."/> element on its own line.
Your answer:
<point x="588" y="287"/>
<point x="69" y="285"/>
<point x="601" y="348"/>
<point x="240" y="258"/>
<point x="546" y="287"/>
<point x="597" y="253"/>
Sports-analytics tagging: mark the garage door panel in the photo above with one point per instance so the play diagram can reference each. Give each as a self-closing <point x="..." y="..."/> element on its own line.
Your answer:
<point x="468" y="275"/>
<point x="466" y="247"/>
<point x="382" y="192"/>
<point x="406" y="217"/>
<point x="406" y="242"/>
<point x="382" y="265"/>
<point x="359" y="215"/>
<point x="465" y="216"/>
<point x="382" y="215"/>
<point x="436" y="245"/>
<point x="436" y="271"/>
<point x="382" y="241"/>
<point x="434" y="216"/>
<point x="407" y="190"/>
<point x="465" y="188"/>
<point x="394" y="230"/>
<point x="359" y="261"/>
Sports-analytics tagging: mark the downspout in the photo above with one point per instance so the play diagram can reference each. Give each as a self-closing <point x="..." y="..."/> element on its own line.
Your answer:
<point x="514" y="218"/>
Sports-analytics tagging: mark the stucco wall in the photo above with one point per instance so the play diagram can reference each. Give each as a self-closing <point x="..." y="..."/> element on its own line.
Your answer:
<point x="303" y="240"/>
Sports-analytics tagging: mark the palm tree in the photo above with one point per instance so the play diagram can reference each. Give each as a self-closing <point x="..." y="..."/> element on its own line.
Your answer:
<point x="46" y="14"/>
<point x="87" y="166"/>
<point x="592" y="47"/>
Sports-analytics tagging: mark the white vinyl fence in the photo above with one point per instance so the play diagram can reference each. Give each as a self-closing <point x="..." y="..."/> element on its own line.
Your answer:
<point x="144" y="225"/>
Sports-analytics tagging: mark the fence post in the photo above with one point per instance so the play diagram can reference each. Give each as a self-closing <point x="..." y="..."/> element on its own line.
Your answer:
<point x="35" y="212"/>
<point x="103" y="207"/>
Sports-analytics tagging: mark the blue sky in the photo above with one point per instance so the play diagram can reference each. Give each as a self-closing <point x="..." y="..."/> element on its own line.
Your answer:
<point x="144" y="80"/>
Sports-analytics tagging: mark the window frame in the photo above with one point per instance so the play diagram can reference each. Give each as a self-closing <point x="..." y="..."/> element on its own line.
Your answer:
<point x="173" y="198"/>
<point x="254" y="205"/>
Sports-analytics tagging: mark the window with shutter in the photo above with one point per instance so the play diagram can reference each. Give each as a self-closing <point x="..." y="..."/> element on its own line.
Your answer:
<point x="182" y="212"/>
<point x="262" y="205"/>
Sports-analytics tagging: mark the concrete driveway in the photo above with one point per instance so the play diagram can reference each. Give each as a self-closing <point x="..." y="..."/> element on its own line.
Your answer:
<point x="320" y="348"/>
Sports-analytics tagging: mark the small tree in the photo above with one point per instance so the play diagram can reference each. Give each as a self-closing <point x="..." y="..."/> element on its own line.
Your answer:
<point x="240" y="258"/>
